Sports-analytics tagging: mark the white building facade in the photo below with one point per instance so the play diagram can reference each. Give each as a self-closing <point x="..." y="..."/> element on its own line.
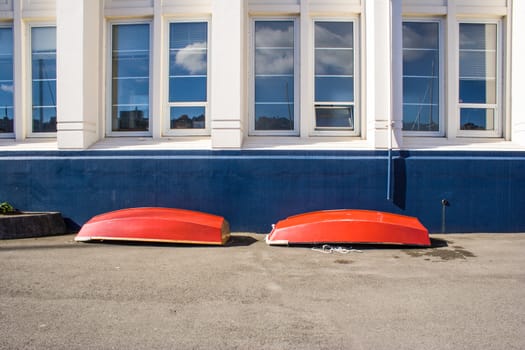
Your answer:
<point x="241" y="74"/>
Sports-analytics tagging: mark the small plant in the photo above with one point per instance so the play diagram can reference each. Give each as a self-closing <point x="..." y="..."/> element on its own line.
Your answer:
<point x="6" y="208"/>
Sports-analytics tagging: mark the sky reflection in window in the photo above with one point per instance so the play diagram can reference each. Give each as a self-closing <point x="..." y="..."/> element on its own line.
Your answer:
<point x="421" y="76"/>
<point x="334" y="74"/>
<point x="188" y="74"/>
<point x="274" y="75"/>
<point x="477" y="75"/>
<point x="130" y="77"/>
<point x="43" y="73"/>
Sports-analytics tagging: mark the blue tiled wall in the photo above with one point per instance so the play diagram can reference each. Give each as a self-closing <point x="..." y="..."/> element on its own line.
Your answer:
<point x="254" y="189"/>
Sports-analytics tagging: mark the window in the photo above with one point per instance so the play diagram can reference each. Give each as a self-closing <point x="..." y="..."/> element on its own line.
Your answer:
<point x="478" y="79"/>
<point x="334" y="76"/>
<point x="188" y="83"/>
<point x="275" y="79"/>
<point x="421" y="78"/>
<point x="6" y="81"/>
<point x="43" y="79"/>
<point x="130" y="78"/>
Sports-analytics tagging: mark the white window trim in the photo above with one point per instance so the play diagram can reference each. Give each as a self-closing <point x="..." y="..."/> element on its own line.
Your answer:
<point x="498" y="107"/>
<point x="441" y="65"/>
<point x="10" y="135"/>
<point x="357" y="83"/>
<point x="166" y="131"/>
<point x="29" y="83"/>
<point x="251" y="74"/>
<point x="109" y="80"/>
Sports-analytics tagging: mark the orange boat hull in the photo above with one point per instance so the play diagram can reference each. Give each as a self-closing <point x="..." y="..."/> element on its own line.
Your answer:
<point x="349" y="226"/>
<point x="156" y="225"/>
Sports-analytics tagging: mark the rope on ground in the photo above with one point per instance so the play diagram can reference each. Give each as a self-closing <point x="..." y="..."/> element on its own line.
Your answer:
<point x="328" y="249"/>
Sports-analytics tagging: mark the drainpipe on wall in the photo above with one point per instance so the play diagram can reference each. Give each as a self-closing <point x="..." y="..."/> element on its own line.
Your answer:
<point x="396" y="83"/>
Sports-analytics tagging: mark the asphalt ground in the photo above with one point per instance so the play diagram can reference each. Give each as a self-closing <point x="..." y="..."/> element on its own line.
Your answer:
<point x="466" y="292"/>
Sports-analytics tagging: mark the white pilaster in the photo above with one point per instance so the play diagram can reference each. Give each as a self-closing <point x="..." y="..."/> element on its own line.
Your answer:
<point x="78" y="72"/>
<point x="517" y="102"/>
<point x="378" y="74"/>
<point x="227" y="100"/>
<point x="19" y="72"/>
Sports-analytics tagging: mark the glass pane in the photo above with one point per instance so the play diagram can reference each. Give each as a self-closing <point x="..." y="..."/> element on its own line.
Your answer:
<point x="334" y="68"/>
<point x="274" y="61"/>
<point x="477" y="36"/>
<point x="334" y="62"/>
<point x="44" y="93"/>
<point x="130" y="38"/>
<point x="334" y="89"/>
<point x="477" y="63"/>
<point x="130" y="77"/>
<point x="44" y="119"/>
<point x="188" y="89"/>
<point x="274" y="116"/>
<point x="421" y="90"/>
<point x="188" y="34"/>
<point x="274" y="34"/>
<point x="131" y="64"/>
<point x="274" y="75"/>
<point x="130" y="118"/>
<point x="420" y="117"/>
<point x="334" y="35"/>
<point x="274" y="89"/>
<point x="477" y="119"/>
<point x="421" y="86"/>
<point x="334" y="117"/>
<point x="187" y="118"/>
<point x="188" y="62"/>
<point x="420" y="63"/>
<point x="6" y="80"/>
<point x="131" y="91"/>
<point x="421" y="35"/>
<point x="43" y="73"/>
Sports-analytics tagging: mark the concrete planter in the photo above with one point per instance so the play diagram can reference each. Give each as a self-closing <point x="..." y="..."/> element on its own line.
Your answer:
<point x="31" y="224"/>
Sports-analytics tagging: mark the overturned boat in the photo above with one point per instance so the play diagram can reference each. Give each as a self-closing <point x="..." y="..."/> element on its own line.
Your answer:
<point x="347" y="226"/>
<point x="154" y="224"/>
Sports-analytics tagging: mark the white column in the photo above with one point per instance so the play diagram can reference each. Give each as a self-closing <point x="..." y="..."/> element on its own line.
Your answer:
<point x="19" y="76"/>
<point x="396" y="15"/>
<point x="378" y="73"/>
<point x="158" y="70"/>
<point x="78" y="73"/>
<point x="227" y="73"/>
<point x="517" y="102"/>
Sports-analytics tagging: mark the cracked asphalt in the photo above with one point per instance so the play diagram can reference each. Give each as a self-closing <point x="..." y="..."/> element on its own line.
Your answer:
<point x="466" y="292"/>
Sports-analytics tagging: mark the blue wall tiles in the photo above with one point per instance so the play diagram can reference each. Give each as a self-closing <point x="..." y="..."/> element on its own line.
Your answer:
<point x="254" y="189"/>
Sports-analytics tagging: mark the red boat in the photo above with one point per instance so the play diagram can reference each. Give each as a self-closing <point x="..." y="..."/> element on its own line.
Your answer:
<point x="156" y="225"/>
<point x="349" y="226"/>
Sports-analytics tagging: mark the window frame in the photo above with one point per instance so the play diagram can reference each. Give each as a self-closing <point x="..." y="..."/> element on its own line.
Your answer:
<point x="29" y="79"/>
<point x="441" y="76"/>
<point x="166" y="130"/>
<point x="109" y="80"/>
<point x="297" y="75"/>
<point x="10" y="135"/>
<point x="497" y="132"/>
<point x="327" y="131"/>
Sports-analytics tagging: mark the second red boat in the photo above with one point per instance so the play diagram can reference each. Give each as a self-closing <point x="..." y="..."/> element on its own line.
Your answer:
<point x="349" y="226"/>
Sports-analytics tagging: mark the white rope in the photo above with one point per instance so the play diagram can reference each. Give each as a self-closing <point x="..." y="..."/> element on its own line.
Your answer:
<point x="328" y="249"/>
